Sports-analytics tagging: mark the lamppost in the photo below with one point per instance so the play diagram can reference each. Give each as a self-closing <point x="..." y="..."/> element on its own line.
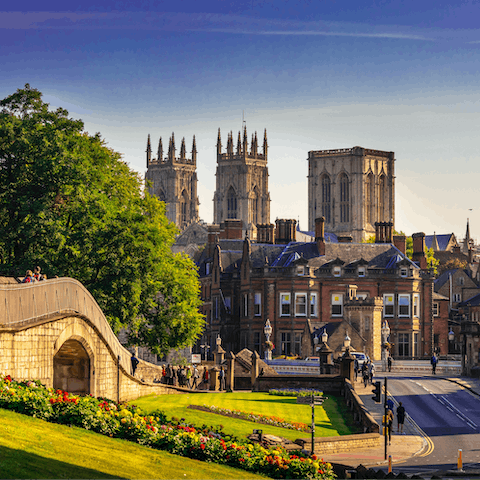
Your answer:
<point x="317" y="348"/>
<point x="385" y="333"/>
<point x="205" y="349"/>
<point x="267" y="330"/>
<point x="346" y="343"/>
<point x="451" y="338"/>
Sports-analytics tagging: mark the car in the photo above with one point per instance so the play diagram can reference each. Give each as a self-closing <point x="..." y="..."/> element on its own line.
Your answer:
<point x="360" y="356"/>
<point x="312" y="359"/>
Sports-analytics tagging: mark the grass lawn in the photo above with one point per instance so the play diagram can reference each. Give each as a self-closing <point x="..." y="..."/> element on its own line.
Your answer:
<point x="331" y="419"/>
<point x="32" y="448"/>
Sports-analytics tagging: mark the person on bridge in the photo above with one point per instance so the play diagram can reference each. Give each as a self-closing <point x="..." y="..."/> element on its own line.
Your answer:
<point x="434" y="362"/>
<point x="29" y="278"/>
<point x="400" y="417"/>
<point x="135" y="363"/>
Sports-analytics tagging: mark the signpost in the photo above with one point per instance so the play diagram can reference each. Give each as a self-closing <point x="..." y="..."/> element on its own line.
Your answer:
<point x="312" y="400"/>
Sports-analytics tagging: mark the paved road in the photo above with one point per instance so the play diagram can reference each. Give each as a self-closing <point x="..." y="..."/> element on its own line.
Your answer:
<point x="449" y="416"/>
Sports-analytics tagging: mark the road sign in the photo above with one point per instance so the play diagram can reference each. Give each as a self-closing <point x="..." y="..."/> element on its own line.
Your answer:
<point x="196" y="358"/>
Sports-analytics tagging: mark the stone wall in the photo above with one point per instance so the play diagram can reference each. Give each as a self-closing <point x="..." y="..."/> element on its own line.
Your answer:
<point x="345" y="443"/>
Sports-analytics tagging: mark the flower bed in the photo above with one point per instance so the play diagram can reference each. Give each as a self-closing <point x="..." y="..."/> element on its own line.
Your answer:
<point x="254" y="417"/>
<point x="128" y="422"/>
<point x="292" y="392"/>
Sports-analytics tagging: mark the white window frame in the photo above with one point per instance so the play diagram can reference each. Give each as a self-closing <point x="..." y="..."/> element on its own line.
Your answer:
<point x="300" y="306"/>
<point x="361" y="271"/>
<point x="313" y="305"/>
<point x="404" y="300"/>
<point x="285" y="300"/>
<point x="300" y="270"/>
<point x="257" y="304"/>
<point x="416" y="305"/>
<point x="404" y="272"/>
<point x="457" y="297"/>
<point x="337" y="300"/>
<point x="337" y="271"/>
<point x="435" y="309"/>
<point x="388" y="303"/>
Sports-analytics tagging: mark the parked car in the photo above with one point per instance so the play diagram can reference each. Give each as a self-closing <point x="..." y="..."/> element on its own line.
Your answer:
<point x="360" y="356"/>
<point x="312" y="359"/>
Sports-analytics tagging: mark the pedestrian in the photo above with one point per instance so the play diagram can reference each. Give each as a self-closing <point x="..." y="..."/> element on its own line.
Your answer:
<point x="222" y="378"/>
<point x="134" y="360"/>
<point x="169" y="375"/>
<point x="389" y="362"/>
<point x="29" y="278"/>
<point x="189" y="376"/>
<point x="356" y="368"/>
<point x="164" y="374"/>
<point x="365" y="375"/>
<point x="389" y="422"/>
<point x="434" y="361"/>
<point x="195" y="377"/>
<point x="205" y="378"/>
<point x="371" y="372"/>
<point x="400" y="417"/>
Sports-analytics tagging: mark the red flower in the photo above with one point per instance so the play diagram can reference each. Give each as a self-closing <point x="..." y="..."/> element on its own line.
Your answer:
<point x="241" y="459"/>
<point x="202" y="446"/>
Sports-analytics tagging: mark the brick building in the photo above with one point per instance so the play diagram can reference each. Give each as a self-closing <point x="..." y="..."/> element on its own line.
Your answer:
<point x="302" y="286"/>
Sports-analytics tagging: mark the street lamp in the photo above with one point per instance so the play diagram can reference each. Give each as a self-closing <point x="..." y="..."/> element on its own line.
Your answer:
<point x="205" y="349"/>
<point x="315" y="341"/>
<point x="346" y="343"/>
<point x="267" y="330"/>
<point x="385" y="333"/>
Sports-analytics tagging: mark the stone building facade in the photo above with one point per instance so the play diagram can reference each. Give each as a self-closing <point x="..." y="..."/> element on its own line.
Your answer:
<point x="352" y="188"/>
<point x="173" y="179"/>
<point x="242" y="182"/>
<point x="302" y="286"/>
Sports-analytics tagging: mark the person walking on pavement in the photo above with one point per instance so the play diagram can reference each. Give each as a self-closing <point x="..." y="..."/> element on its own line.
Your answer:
<point x="195" y="377"/>
<point x="400" y="417"/>
<point x="389" y="422"/>
<point x="434" y="361"/>
<point x="365" y="373"/>
<point x="389" y="363"/>
<point x="222" y="378"/>
<point x="371" y="372"/>
<point x="356" y="368"/>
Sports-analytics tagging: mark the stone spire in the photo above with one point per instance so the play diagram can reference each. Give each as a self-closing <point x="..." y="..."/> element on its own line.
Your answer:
<point x="230" y="144"/>
<point x="466" y="241"/>
<point x="435" y="246"/>
<point x="183" y="150"/>
<point x="160" y="150"/>
<point x="219" y="143"/>
<point x="149" y="151"/>
<point x="265" y="145"/>
<point x="171" y="148"/>
<point x="194" y="150"/>
<point x="245" y="141"/>
<point x="239" y="143"/>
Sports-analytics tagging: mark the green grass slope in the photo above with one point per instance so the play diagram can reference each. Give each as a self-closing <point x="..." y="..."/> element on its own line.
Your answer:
<point x="32" y="448"/>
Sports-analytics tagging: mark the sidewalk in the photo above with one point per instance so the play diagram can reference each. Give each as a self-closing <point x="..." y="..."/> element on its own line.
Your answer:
<point x="403" y="447"/>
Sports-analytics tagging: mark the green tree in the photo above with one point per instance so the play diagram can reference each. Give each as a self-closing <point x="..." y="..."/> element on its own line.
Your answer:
<point x="70" y="204"/>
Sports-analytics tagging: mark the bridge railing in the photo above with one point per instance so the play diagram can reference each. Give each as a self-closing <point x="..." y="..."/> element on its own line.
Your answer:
<point x="28" y="303"/>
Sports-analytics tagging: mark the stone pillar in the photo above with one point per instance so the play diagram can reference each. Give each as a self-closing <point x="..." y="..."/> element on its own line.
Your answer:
<point x="214" y="379"/>
<point x="230" y="373"/>
<point x="254" y="372"/>
<point x="325" y="354"/>
<point x="346" y="366"/>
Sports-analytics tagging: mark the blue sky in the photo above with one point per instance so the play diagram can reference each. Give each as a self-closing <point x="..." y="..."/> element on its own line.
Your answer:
<point x="395" y="75"/>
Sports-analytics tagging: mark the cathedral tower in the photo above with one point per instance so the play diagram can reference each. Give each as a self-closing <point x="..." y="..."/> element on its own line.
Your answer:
<point x="352" y="188"/>
<point x="174" y="181"/>
<point x="242" y="182"/>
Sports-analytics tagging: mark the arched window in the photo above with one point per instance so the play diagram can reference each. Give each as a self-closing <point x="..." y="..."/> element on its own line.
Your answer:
<point x="326" y="198"/>
<point x="184" y="207"/>
<point x="231" y="203"/>
<point x="381" y="199"/>
<point x="370" y="199"/>
<point x="161" y="196"/>
<point x="344" y="199"/>
<point x="255" y="206"/>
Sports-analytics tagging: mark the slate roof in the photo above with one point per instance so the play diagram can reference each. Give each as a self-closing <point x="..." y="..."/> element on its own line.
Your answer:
<point x="472" y="301"/>
<point x="442" y="240"/>
<point x="443" y="278"/>
<point x="329" y="237"/>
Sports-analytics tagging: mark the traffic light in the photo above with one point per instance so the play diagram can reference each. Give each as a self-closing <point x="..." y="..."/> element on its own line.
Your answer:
<point x="378" y="392"/>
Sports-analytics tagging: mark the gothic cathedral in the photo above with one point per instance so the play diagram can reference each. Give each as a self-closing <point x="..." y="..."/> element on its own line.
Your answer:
<point x="242" y="183"/>
<point x="352" y="188"/>
<point x="174" y="181"/>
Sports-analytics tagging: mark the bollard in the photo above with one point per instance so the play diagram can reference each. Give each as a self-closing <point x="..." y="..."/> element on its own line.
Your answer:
<point x="459" y="461"/>
<point x="389" y="464"/>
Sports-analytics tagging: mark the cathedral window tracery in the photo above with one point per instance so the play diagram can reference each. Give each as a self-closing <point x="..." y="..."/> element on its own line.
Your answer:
<point x="326" y="198"/>
<point x="344" y="199"/>
<point x="231" y="203"/>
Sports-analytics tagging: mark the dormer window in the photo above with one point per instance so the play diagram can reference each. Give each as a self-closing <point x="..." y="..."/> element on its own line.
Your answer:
<point x="404" y="272"/>
<point x="337" y="271"/>
<point x="300" y="270"/>
<point x="361" y="271"/>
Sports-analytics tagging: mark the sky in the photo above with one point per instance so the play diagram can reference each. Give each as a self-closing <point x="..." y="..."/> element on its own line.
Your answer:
<point x="390" y="75"/>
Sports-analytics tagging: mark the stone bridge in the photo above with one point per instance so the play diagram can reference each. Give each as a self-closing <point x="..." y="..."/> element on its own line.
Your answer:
<point x="54" y="331"/>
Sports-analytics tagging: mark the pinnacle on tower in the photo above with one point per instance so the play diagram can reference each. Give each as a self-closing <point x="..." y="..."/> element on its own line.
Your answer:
<point x="435" y="243"/>
<point x="219" y="143"/>
<point x="171" y="148"/>
<point x="194" y="150"/>
<point x="239" y="143"/>
<point x="466" y="241"/>
<point x="160" y="150"/>
<point x="183" y="150"/>
<point x="230" y="144"/>
<point x="265" y="145"/>
<point x="245" y="141"/>
<point x="149" y="151"/>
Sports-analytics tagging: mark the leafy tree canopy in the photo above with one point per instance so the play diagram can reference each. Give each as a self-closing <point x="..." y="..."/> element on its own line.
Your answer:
<point x="70" y="204"/>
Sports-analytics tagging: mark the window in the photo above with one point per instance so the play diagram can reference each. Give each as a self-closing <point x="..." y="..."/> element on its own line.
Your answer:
<point x="370" y="198"/>
<point x="416" y="305"/>
<point x="326" y="198"/>
<point x="257" y="306"/>
<point x="361" y="271"/>
<point x="286" y="343"/>
<point x="403" y="305"/>
<point x="337" y="305"/>
<point x="256" y="341"/>
<point x="404" y="272"/>
<point x="215" y="307"/>
<point x="460" y="281"/>
<point x="313" y="304"/>
<point x="300" y="270"/>
<point x="231" y="203"/>
<point x="297" y="343"/>
<point x="435" y="309"/>
<point x="207" y="269"/>
<point x="228" y="304"/>
<point x="344" y="199"/>
<point x="403" y="344"/>
<point x="457" y="297"/>
<point x="245" y="305"/>
<point x="300" y="304"/>
<point x="337" y="271"/>
<point x="388" y="305"/>
<point x="284" y="304"/>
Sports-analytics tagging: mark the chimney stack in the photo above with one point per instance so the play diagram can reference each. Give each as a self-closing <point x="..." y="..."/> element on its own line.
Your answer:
<point x="285" y="231"/>
<point x="320" y="234"/>
<point x="419" y="250"/>
<point x="400" y="241"/>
